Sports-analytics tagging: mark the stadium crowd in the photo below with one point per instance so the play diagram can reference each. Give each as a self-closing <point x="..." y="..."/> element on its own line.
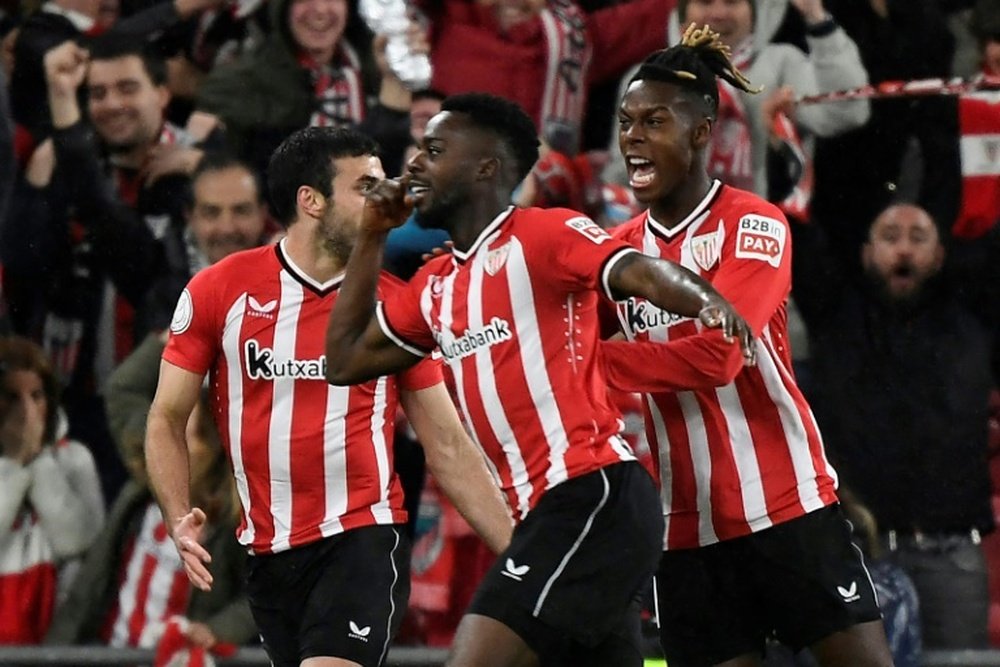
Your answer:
<point x="135" y="139"/>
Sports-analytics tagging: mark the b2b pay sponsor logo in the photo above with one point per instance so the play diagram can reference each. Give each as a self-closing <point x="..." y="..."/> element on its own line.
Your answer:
<point x="761" y="238"/>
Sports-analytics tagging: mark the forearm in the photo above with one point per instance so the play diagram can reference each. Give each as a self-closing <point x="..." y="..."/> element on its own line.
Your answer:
<point x="14" y="483"/>
<point x="668" y="285"/>
<point x="354" y="309"/>
<point x="71" y="519"/>
<point x="167" y="463"/>
<point x="462" y="475"/>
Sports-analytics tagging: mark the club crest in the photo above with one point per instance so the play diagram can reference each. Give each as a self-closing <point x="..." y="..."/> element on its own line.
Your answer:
<point x="495" y="259"/>
<point x="706" y="248"/>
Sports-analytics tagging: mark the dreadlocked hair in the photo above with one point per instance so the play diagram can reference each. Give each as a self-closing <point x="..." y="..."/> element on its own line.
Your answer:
<point x="694" y="65"/>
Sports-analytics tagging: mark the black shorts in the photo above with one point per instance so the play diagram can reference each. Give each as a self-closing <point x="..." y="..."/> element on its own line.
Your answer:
<point x="343" y="596"/>
<point x="799" y="581"/>
<point x="569" y="580"/>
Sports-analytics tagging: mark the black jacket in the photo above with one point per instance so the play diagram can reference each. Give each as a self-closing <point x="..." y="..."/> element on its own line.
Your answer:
<point x="901" y="393"/>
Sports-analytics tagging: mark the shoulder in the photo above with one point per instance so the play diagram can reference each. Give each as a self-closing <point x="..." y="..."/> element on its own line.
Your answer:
<point x="238" y="264"/>
<point x="734" y="203"/>
<point x="74" y="454"/>
<point x="629" y="229"/>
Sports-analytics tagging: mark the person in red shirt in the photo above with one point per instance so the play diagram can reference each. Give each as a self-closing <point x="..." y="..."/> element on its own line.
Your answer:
<point x="756" y="543"/>
<point x="513" y="312"/>
<point x="322" y="507"/>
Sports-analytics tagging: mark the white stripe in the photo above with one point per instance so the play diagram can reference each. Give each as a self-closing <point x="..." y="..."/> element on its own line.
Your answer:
<point x="24" y="547"/>
<point x="980" y="155"/>
<point x="445" y="320"/>
<point x="744" y="455"/>
<point x="335" y="458"/>
<point x="392" y="602"/>
<point x="128" y="595"/>
<point x="282" y="406"/>
<point x="381" y="510"/>
<point x="390" y="334"/>
<point x="529" y="339"/>
<point x="487" y="386"/>
<point x="552" y="78"/>
<point x="575" y="547"/>
<point x="610" y="264"/>
<point x="791" y="423"/>
<point x="701" y="459"/>
<point x="234" y="379"/>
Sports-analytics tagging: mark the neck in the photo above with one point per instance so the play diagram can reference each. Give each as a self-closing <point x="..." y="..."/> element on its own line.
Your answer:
<point x="672" y="209"/>
<point x="310" y="251"/>
<point x="466" y="224"/>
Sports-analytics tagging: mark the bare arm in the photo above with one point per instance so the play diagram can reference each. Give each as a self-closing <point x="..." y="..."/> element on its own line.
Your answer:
<point x="356" y="347"/>
<point x="457" y="464"/>
<point x="677" y="290"/>
<point x="167" y="465"/>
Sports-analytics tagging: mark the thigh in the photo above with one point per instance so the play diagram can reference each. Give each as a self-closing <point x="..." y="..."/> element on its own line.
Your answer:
<point x="705" y="607"/>
<point x="953" y="588"/>
<point x="341" y="597"/>
<point x="577" y="562"/>
<point x="813" y="578"/>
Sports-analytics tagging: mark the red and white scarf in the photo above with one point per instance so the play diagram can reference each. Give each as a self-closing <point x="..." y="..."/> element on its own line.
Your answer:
<point x="340" y="95"/>
<point x="567" y="65"/>
<point x="979" y="127"/>
<point x="730" y="158"/>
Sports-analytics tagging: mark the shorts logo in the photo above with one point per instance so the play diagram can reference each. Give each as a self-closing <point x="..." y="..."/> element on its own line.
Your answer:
<point x="183" y="313"/>
<point x="495" y="259"/>
<point x="589" y="229"/>
<point x="358" y="633"/>
<point x="850" y="594"/>
<point x="515" y="572"/>
<point x="761" y="238"/>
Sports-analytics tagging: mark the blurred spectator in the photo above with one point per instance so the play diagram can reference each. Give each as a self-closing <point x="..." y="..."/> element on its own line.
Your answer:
<point x="308" y="71"/>
<point x="81" y="247"/>
<point x="542" y="54"/>
<point x="908" y="149"/>
<point x="985" y="24"/>
<point x="8" y="168"/>
<point x="743" y="128"/>
<point x="51" y="508"/>
<point x="59" y="20"/>
<point x="133" y="581"/>
<point x="226" y="215"/>
<point x="901" y="362"/>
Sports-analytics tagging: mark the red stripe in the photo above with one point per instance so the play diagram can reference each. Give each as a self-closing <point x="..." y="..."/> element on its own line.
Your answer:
<point x="137" y="620"/>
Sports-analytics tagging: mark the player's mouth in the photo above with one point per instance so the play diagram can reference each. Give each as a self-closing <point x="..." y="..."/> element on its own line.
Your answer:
<point x="641" y="172"/>
<point x="419" y="191"/>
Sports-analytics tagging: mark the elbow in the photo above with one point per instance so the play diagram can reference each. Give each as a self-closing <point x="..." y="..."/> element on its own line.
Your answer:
<point x="339" y="372"/>
<point x="727" y="367"/>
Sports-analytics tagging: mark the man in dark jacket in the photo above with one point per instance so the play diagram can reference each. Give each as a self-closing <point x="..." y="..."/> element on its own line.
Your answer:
<point x="902" y="376"/>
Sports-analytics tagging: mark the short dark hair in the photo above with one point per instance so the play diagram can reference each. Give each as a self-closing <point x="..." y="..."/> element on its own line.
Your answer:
<point x="213" y="161"/>
<point x="21" y="354"/>
<point x="112" y="46"/>
<point x="504" y="118"/>
<point x="306" y="158"/>
<point x="694" y="65"/>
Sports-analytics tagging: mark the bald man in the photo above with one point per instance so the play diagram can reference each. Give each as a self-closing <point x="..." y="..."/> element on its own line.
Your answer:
<point x="902" y="374"/>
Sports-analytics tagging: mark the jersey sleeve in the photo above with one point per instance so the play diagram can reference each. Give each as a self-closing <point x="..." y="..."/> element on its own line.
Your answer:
<point x="754" y="275"/>
<point x="426" y="373"/>
<point x="195" y="329"/>
<point x="583" y="253"/>
<point x="400" y="314"/>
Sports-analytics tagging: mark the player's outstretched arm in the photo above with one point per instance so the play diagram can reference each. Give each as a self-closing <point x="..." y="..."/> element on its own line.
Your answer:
<point x="356" y="347"/>
<point x="169" y="473"/>
<point x="457" y="465"/>
<point x="677" y="290"/>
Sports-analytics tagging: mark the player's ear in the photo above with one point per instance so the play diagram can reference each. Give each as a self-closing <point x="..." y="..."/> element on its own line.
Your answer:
<point x="310" y="201"/>
<point x="487" y="168"/>
<point x="701" y="133"/>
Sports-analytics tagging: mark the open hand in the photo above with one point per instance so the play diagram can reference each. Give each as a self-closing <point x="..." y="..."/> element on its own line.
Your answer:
<point x="187" y="533"/>
<point x="720" y="314"/>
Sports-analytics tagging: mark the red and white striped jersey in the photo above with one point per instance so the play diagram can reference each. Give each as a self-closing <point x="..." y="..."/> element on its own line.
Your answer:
<point x="515" y="318"/>
<point x="737" y="458"/>
<point x="310" y="459"/>
<point x="153" y="587"/>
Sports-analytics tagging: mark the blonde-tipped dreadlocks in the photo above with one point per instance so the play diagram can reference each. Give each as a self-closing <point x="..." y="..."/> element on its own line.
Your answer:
<point x="695" y="63"/>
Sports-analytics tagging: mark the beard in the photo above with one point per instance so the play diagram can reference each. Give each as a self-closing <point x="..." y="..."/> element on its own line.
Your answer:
<point x="441" y="213"/>
<point x="337" y="234"/>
